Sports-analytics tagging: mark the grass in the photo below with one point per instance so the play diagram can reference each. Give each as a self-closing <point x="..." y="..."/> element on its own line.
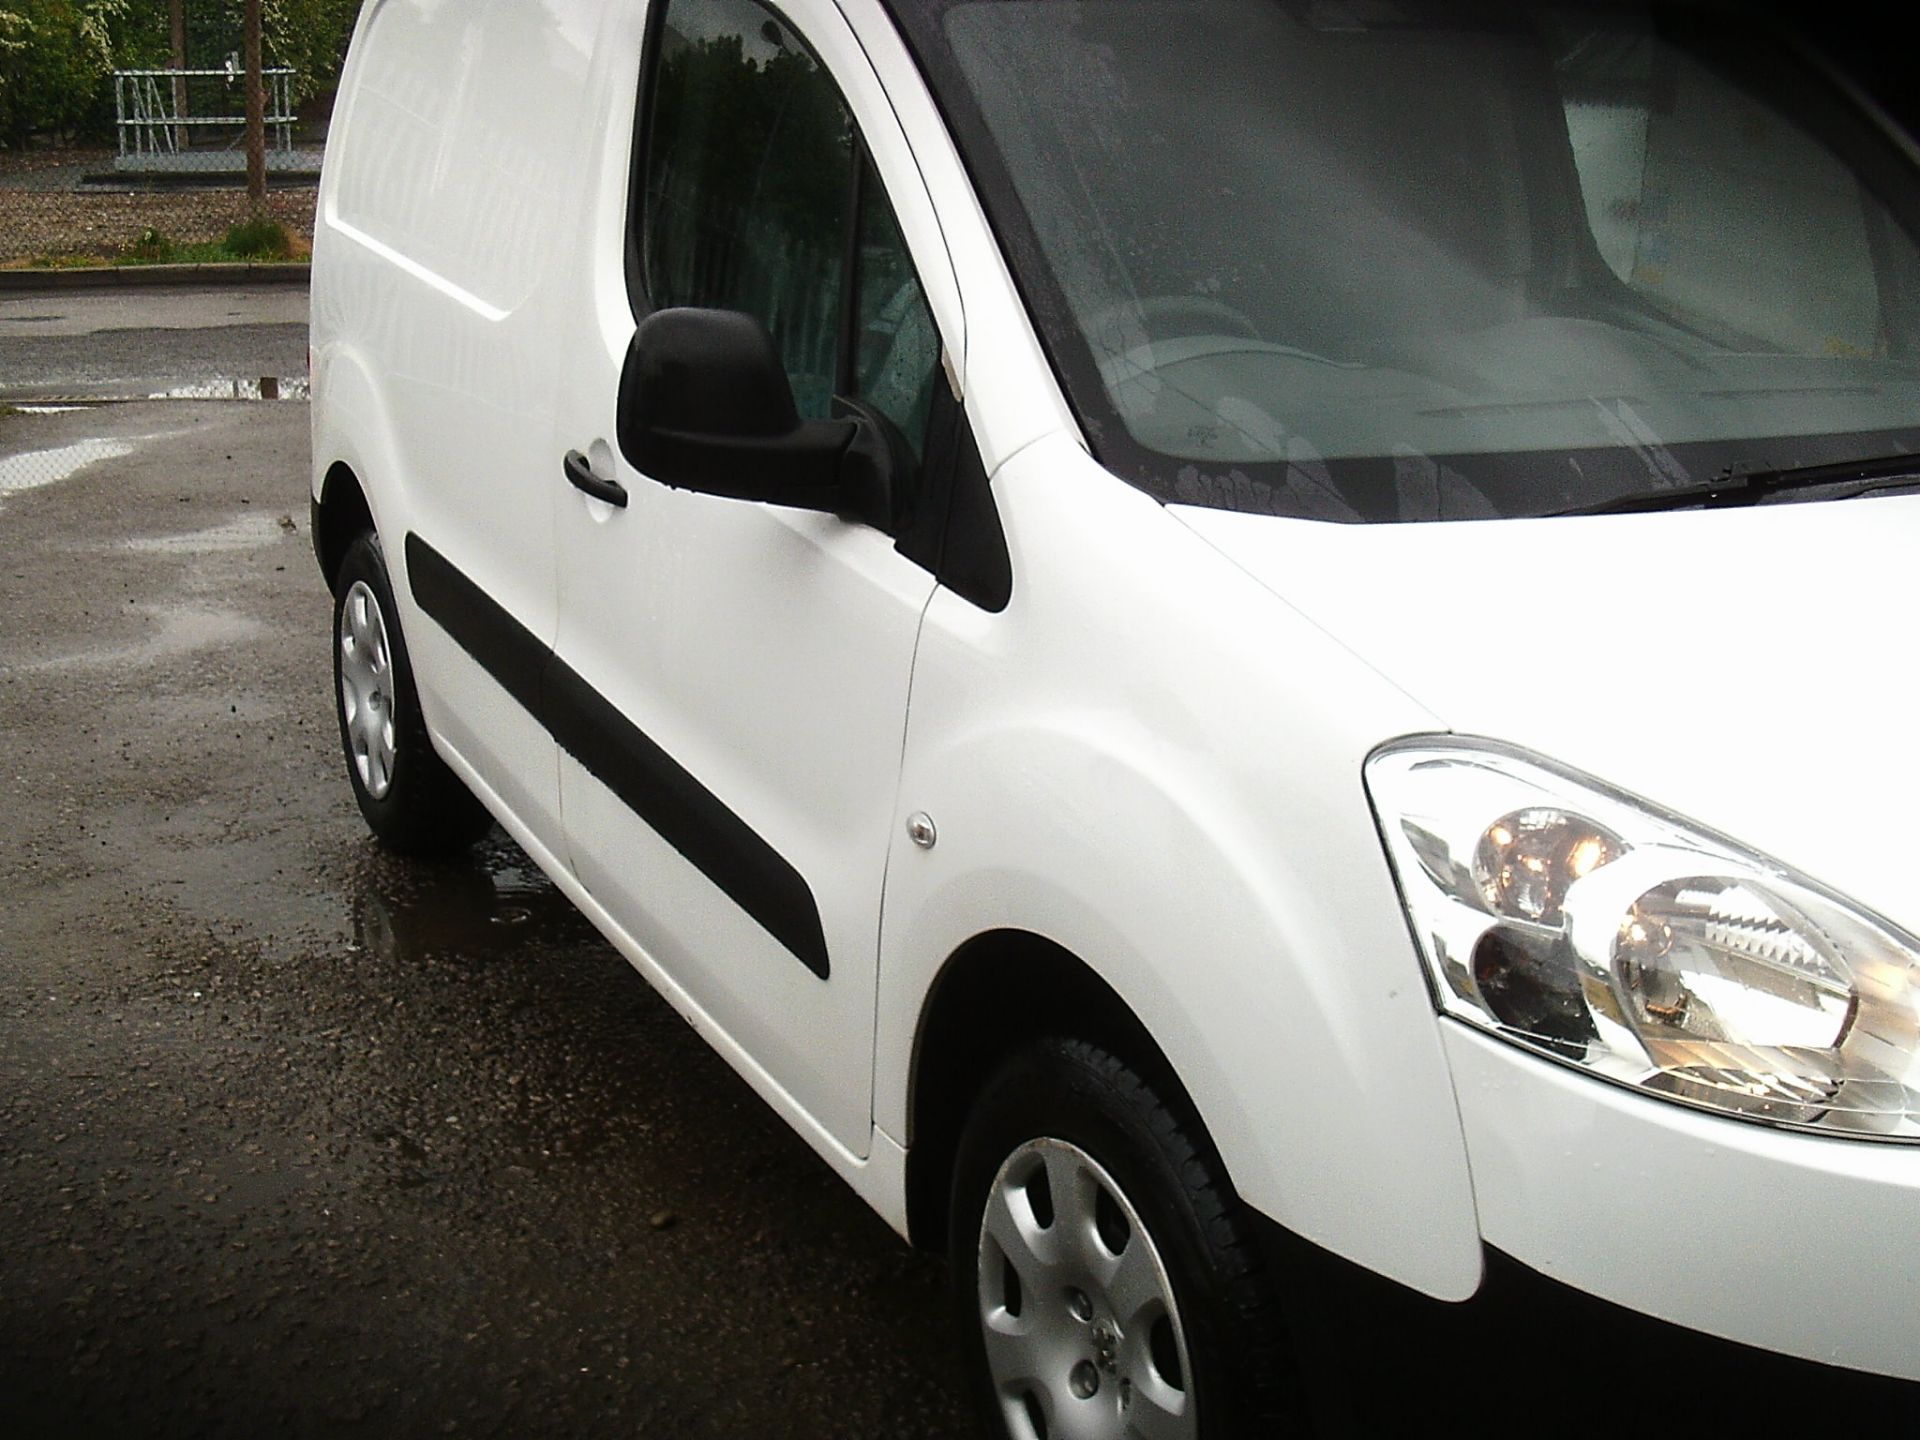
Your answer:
<point x="251" y="241"/>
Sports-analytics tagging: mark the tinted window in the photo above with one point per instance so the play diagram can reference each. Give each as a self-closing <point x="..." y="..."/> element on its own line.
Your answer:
<point x="751" y="167"/>
<point x="749" y="173"/>
<point x="896" y="348"/>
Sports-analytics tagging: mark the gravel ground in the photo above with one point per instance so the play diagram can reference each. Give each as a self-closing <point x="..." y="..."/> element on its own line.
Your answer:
<point x="297" y="1139"/>
<point x="44" y="210"/>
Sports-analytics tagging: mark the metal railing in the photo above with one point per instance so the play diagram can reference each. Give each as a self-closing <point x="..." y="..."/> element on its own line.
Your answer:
<point x="182" y="120"/>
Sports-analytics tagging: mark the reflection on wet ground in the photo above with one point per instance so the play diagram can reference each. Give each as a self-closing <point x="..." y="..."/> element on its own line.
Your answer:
<point x="173" y="631"/>
<point x="45" y="443"/>
<point x="479" y="921"/>
<point x="49" y="467"/>
<point x="208" y="344"/>
<point x="246" y="531"/>
<point x="233" y="387"/>
<point x="480" y="908"/>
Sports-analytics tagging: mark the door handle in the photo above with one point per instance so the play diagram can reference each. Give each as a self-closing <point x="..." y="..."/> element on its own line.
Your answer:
<point x="580" y="475"/>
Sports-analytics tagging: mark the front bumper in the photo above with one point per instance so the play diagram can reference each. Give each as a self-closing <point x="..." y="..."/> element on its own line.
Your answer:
<point x="1649" y="1269"/>
<point x="1799" y="1244"/>
<point x="1528" y="1357"/>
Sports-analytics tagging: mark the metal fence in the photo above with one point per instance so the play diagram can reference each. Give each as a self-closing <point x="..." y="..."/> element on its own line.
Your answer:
<point x="174" y="122"/>
<point x="71" y="206"/>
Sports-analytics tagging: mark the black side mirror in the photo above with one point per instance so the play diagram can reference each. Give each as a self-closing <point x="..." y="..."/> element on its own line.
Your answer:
<point x="705" y="405"/>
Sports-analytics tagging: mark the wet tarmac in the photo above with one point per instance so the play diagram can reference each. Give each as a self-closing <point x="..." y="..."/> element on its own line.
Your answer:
<point x="189" y="343"/>
<point x="299" y="1139"/>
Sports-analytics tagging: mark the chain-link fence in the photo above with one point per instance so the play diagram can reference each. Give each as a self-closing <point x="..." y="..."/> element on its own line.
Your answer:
<point x="71" y="206"/>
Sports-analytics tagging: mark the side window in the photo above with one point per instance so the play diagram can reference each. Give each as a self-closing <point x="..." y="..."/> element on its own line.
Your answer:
<point x="896" y="347"/>
<point x="759" y="197"/>
<point x="749" y="170"/>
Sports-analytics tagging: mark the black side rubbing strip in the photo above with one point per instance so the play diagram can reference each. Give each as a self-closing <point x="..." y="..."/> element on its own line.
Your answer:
<point x="687" y="815"/>
<point x="509" y="651"/>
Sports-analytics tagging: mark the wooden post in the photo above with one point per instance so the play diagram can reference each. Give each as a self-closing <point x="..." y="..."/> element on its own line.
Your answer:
<point x="256" y="116"/>
<point x="178" y="9"/>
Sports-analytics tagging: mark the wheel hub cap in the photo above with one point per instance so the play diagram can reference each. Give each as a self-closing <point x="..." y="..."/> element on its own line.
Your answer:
<point x="366" y="695"/>
<point x="1083" y="1337"/>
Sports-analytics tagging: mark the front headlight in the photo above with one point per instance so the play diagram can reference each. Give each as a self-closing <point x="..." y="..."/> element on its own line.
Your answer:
<point x="1584" y="924"/>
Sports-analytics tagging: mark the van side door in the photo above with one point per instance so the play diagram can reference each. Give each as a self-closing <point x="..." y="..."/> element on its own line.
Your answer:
<point x="731" y="676"/>
<point x="434" y="341"/>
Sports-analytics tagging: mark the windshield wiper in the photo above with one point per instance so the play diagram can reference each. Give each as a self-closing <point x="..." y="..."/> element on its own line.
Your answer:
<point x="1757" y="487"/>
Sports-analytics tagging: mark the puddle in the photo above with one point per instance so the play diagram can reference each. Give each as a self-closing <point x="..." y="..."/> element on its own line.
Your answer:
<point x="486" y="905"/>
<point x="49" y="467"/>
<point x="244" y="532"/>
<point x="233" y="387"/>
<point x="180" y="632"/>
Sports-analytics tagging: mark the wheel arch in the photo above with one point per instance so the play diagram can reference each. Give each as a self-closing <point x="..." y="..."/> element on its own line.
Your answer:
<point x="340" y="514"/>
<point x="1240" y="935"/>
<point x="359" y="472"/>
<point x="966" y="1029"/>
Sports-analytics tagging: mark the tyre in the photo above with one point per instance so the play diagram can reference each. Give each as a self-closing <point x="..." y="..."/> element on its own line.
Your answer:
<point x="1106" y="1285"/>
<point x="411" y="801"/>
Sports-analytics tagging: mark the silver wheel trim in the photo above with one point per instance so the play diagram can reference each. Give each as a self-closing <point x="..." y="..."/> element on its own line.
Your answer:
<point x="1080" y="1348"/>
<point x="366" y="694"/>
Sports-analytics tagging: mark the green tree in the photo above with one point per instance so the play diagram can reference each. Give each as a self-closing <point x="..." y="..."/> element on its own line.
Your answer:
<point x="311" y="36"/>
<point x="56" y="60"/>
<point x="57" y="57"/>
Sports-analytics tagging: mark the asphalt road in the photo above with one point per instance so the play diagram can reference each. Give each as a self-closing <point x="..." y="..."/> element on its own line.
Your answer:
<point x="137" y="343"/>
<point x="298" y="1139"/>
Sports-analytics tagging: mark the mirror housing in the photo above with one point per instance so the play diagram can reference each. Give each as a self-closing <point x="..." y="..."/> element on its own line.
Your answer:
<point x="705" y="405"/>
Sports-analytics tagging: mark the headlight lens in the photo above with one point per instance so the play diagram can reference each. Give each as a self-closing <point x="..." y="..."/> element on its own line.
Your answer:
<point x="1579" y="922"/>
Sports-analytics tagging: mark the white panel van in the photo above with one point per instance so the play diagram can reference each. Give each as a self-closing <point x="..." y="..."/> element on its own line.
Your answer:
<point x="1214" y="642"/>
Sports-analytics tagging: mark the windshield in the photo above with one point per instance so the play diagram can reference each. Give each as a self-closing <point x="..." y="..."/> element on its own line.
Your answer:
<point x="1391" y="260"/>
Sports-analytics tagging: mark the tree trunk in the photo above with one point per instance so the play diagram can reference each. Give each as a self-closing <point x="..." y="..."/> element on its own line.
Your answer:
<point x="178" y="9"/>
<point x="256" y="116"/>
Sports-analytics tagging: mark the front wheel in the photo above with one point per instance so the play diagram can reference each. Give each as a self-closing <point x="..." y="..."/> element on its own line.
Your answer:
<point x="1104" y="1276"/>
<point x="410" y="800"/>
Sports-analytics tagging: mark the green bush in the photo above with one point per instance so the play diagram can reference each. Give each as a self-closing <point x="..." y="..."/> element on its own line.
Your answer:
<point x="150" y="244"/>
<point x="54" y="63"/>
<point x="260" y="239"/>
